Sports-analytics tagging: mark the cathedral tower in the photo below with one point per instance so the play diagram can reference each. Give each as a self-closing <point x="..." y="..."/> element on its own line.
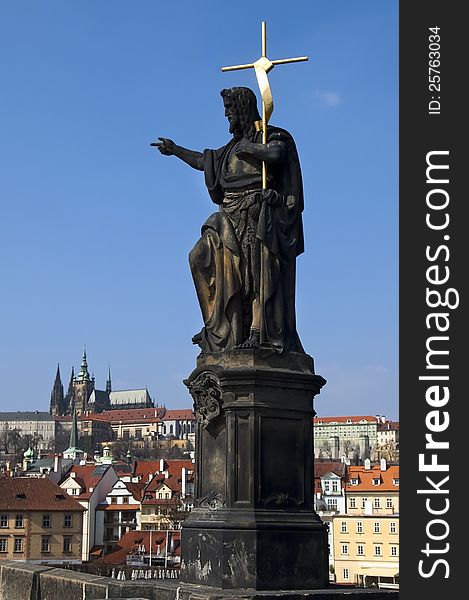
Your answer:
<point x="57" y="396"/>
<point x="82" y="387"/>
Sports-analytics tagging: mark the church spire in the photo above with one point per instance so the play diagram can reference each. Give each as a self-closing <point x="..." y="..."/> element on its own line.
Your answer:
<point x="84" y="375"/>
<point x="74" y="431"/>
<point x="70" y="384"/>
<point x="57" y="395"/>
<point x="108" y="380"/>
<point x="73" y="451"/>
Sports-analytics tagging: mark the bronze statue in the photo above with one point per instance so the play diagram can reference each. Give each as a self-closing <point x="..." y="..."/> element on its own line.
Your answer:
<point x="243" y="265"/>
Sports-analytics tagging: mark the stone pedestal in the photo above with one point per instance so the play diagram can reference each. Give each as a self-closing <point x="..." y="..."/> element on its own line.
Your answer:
<point x="253" y="525"/>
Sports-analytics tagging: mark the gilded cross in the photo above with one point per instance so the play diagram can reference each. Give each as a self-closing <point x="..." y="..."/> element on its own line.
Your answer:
<point x="261" y="68"/>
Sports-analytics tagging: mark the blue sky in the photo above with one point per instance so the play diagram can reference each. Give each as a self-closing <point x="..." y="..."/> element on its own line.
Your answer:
<point x="96" y="226"/>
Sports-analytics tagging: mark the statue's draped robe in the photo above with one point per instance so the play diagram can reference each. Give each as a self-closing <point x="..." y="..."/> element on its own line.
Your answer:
<point x="248" y="249"/>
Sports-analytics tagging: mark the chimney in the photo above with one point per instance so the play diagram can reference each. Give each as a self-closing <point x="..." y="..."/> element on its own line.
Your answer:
<point x="382" y="464"/>
<point x="367" y="464"/>
<point x="161" y="465"/>
<point x="383" y="419"/>
<point x="183" y="482"/>
<point x="57" y="463"/>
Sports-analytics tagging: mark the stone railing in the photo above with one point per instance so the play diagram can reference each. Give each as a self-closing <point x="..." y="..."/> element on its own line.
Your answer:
<point x="23" y="581"/>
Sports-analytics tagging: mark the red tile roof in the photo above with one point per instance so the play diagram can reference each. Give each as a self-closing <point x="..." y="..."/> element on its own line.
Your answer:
<point x="35" y="493"/>
<point x="87" y="476"/>
<point x="365" y="479"/>
<point x="133" y="541"/>
<point x="354" y="419"/>
<point x="323" y="467"/>
<point x="133" y="414"/>
<point x="144" y="468"/>
<point x="185" y="414"/>
<point x="135" y="489"/>
<point x="388" y="425"/>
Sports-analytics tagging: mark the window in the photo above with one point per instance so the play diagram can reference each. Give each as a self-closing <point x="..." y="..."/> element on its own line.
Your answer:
<point x="388" y="502"/>
<point x="392" y="527"/>
<point x="18" y="545"/>
<point x="4" y="545"/>
<point x="113" y="499"/>
<point x="125" y="500"/>
<point x="166" y="496"/>
<point x="376" y="481"/>
<point x="377" y="527"/>
<point x="326" y="486"/>
<point x="343" y="527"/>
<point x="67" y="547"/>
<point x="359" y="527"/>
<point x="354" y="481"/>
<point x="377" y="503"/>
<point x="68" y="520"/>
<point x="393" y="551"/>
<point x="19" y="521"/>
<point x="126" y="434"/>
<point x="377" y="550"/>
<point x="45" y="543"/>
<point x="363" y="502"/>
<point x="360" y="550"/>
<point x="353" y="503"/>
<point x="344" y="548"/>
<point x="335" y="486"/>
<point x="138" y="433"/>
<point x="46" y="521"/>
<point x="346" y="574"/>
<point x="395" y="481"/>
<point x="3" y="520"/>
<point x="332" y="503"/>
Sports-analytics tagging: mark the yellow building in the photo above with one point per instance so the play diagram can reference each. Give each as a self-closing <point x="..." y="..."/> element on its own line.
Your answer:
<point x="366" y="549"/>
<point x="39" y="522"/>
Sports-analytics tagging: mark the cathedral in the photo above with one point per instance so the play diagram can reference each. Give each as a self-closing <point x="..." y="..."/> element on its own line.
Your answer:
<point x="83" y="395"/>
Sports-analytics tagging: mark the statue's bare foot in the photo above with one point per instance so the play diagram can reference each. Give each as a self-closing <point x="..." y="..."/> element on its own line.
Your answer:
<point x="252" y="342"/>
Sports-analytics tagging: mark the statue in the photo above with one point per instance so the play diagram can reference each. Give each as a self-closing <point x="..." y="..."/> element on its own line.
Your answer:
<point x="243" y="265"/>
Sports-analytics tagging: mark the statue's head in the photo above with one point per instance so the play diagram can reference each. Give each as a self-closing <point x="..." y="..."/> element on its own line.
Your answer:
<point x="240" y="110"/>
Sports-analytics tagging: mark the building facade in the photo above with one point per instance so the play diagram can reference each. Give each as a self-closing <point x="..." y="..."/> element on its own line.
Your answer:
<point x="352" y="438"/>
<point x="39" y="426"/>
<point x="366" y="550"/>
<point x="39" y="523"/>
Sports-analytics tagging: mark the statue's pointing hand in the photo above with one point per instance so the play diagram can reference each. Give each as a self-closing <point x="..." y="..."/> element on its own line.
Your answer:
<point x="165" y="146"/>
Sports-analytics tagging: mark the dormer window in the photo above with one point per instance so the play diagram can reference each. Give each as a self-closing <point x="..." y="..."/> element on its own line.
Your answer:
<point x="376" y="481"/>
<point x="395" y="481"/>
<point x="354" y="481"/>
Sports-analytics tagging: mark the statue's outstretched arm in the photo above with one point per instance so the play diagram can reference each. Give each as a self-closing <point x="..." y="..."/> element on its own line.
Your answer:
<point x="169" y="148"/>
<point x="271" y="152"/>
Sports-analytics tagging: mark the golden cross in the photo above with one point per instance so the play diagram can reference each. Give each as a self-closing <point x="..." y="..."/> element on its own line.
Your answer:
<point x="261" y="68"/>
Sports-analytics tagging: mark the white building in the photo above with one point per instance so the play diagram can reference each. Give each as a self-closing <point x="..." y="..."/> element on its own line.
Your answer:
<point x="118" y="513"/>
<point x="89" y="484"/>
<point x="39" y="425"/>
